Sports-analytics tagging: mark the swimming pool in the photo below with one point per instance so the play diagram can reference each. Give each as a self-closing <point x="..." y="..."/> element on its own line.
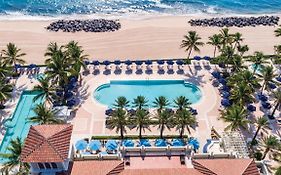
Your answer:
<point x="257" y="67"/>
<point x="17" y="125"/>
<point x="107" y="93"/>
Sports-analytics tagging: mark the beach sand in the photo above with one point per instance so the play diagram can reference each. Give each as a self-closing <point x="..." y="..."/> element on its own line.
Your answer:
<point x="156" y="37"/>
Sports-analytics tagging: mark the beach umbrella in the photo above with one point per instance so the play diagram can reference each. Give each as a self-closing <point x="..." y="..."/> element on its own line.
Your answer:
<point x="59" y="93"/>
<point x="225" y="94"/>
<point x="266" y="105"/>
<point x="179" y="62"/>
<point x="278" y="79"/>
<point x="148" y="62"/>
<point x="225" y="88"/>
<point x="225" y="102"/>
<point x="177" y="142"/>
<point x="160" y="142"/>
<point x="139" y="63"/>
<point x="251" y="108"/>
<point x="86" y="62"/>
<point x="108" y="112"/>
<point x="117" y="62"/>
<point x="95" y="63"/>
<point x="132" y="111"/>
<point x="197" y="58"/>
<point x="272" y="86"/>
<point x="111" y="145"/>
<point x="222" y="81"/>
<point x="68" y="95"/>
<point x="128" y="62"/>
<point x="128" y="143"/>
<point x="193" y="111"/>
<point x="106" y="62"/>
<point x="161" y="62"/>
<point x="31" y="66"/>
<point x="207" y="58"/>
<point x="95" y="145"/>
<point x="145" y="142"/>
<point x="71" y="102"/>
<point x="194" y="143"/>
<point x="17" y="66"/>
<point x="81" y="145"/>
<point x="170" y="62"/>
<point x="262" y="97"/>
<point x="216" y="74"/>
<point x="221" y="65"/>
<point x="73" y="79"/>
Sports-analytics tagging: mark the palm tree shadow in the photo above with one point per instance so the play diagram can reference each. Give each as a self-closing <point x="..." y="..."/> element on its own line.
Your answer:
<point x="83" y="93"/>
<point x="17" y="92"/>
<point x="194" y="78"/>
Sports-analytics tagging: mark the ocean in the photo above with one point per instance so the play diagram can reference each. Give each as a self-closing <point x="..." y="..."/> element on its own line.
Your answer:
<point x="57" y="8"/>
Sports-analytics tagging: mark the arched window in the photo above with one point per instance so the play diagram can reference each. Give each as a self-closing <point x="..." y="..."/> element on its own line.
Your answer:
<point x="54" y="165"/>
<point x="41" y="166"/>
<point x="48" y="166"/>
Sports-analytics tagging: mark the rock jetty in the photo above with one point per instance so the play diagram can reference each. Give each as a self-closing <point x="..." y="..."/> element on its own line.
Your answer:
<point x="236" y="21"/>
<point x="95" y="25"/>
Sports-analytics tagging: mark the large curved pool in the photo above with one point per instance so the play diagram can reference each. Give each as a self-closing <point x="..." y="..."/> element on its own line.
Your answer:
<point x="107" y="93"/>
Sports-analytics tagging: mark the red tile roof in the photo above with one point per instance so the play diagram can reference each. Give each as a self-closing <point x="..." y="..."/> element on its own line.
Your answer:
<point x="164" y="171"/>
<point x="96" y="167"/>
<point x="226" y="166"/>
<point x="47" y="143"/>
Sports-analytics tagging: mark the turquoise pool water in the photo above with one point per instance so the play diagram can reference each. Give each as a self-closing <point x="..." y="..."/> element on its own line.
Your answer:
<point x="18" y="126"/>
<point x="107" y="93"/>
<point x="257" y="67"/>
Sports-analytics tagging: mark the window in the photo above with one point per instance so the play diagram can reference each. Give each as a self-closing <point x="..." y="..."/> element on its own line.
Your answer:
<point x="41" y="166"/>
<point x="48" y="166"/>
<point x="54" y="165"/>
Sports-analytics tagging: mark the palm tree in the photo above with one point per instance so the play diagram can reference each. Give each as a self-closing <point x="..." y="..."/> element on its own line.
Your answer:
<point x="226" y="37"/>
<point x="237" y="38"/>
<point x="191" y="42"/>
<point x="184" y="120"/>
<point x="182" y="102"/>
<point x="163" y="119"/>
<point x="12" y="55"/>
<point x="236" y="115"/>
<point x="243" y="77"/>
<point x="270" y="143"/>
<point x="227" y="55"/>
<point x="278" y="31"/>
<point x="278" y="171"/>
<point x="242" y="94"/>
<point x="141" y="120"/>
<point x="5" y="70"/>
<point x="261" y="122"/>
<point x="45" y="90"/>
<point x="118" y="121"/>
<point x="258" y="59"/>
<point x="242" y="49"/>
<point x="215" y="41"/>
<point x="44" y="115"/>
<point x="6" y="90"/>
<point x="277" y="101"/>
<point x="51" y="50"/>
<point x="140" y="102"/>
<point x="12" y="158"/>
<point x="267" y="76"/>
<point x="161" y="102"/>
<point x="121" y="102"/>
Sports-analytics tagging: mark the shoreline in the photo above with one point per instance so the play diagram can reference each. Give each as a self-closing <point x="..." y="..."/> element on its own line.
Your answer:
<point x="150" y="38"/>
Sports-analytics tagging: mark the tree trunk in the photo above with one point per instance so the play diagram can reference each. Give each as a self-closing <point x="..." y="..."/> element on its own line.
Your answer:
<point x="254" y="138"/>
<point x="121" y="132"/>
<point x="215" y="51"/>
<point x="265" y="153"/>
<point x="274" y="110"/>
<point x="255" y="69"/>
<point x="182" y="131"/>
<point x="262" y="88"/>
<point x="161" y="131"/>
<point x="140" y="132"/>
<point x="189" y="53"/>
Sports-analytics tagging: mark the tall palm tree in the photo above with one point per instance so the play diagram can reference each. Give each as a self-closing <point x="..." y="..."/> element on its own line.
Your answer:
<point x="191" y="42"/>
<point x="226" y="37"/>
<point x="278" y="31"/>
<point x="12" y="158"/>
<point x="12" y="55"/>
<point x="182" y="102"/>
<point x="52" y="48"/>
<point x="184" y="120"/>
<point x="261" y="123"/>
<point x="258" y="59"/>
<point x="270" y="143"/>
<point x="121" y="102"/>
<point x="242" y="94"/>
<point x="44" y="115"/>
<point x="227" y="55"/>
<point x="5" y="70"/>
<point x="164" y="120"/>
<point x="141" y="120"/>
<point x="237" y="39"/>
<point x="243" y="77"/>
<point x="267" y="76"/>
<point x="45" y="90"/>
<point x="215" y="40"/>
<point x="140" y="102"/>
<point x="118" y="121"/>
<point x="277" y="101"/>
<point x="236" y="115"/>
<point x="6" y="90"/>
<point x="161" y="102"/>
<point x="242" y="49"/>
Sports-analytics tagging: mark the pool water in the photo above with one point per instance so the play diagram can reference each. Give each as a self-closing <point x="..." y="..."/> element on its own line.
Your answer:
<point x="257" y="67"/>
<point x="17" y="125"/>
<point x="106" y="94"/>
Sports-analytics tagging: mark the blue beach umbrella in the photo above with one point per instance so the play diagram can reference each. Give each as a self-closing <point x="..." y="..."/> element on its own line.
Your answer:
<point x="207" y="58"/>
<point x="111" y="145"/>
<point x="81" y="145"/>
<point x="95" y="63"/>
<point x="106" y="62"/>
<point x="177" y="142"/>
<point x="160" y="142"/>
<point x="272" y="86"/>
<point x="17" y="66"/>
<point x="197" y="58"/>
<point x="95" y="145"/>
<point x="148" y="62"/>
<point x="161" y="62"/>
<point x="222" y="81"/>
<point x="68" y="95"/>
<point x="216" y="74"/>
<point x="139" y="63"/>
<point x="262" y="97"/>
<point x="225" y="102"/>
<point x="225" y="94"/>
<point x="251" y="108"/>
<point x="170" y="62"/>
<point x="145" y="142"/>
<point x="193" y="111"/>
<point x="225" y="88"/>
<point x="108" y="111"/>
<point x="266" y="105"/>
<point x="71" y="103"/>
<point x="117" y="62"/>
<point x="194" y="143"/>
<point x="128" y="62"/>
<point x="128" y="143"/>
<point x="278" y="79"/>
<point x="179" y="62"/>
<point x="86" y="62"/>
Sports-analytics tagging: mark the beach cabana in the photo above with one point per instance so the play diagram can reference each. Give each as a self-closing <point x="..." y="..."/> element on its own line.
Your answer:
<point x="144" y="142"/>
<point x="128" y="143"/>
<point x="95" y="145"/>
<point x="160" y="143"/>
<point x="197" y="58"/>
<point x="81" y="145"/>
<point x="194" y="143"/>
<point x="251" y="108"/>
<point x="225" y="102"/>
<point x="177" y="142"/>
<point x="111" y="145"/>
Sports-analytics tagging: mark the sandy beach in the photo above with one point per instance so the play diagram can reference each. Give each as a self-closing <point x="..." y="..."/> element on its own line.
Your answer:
<point x="156" y="37"/>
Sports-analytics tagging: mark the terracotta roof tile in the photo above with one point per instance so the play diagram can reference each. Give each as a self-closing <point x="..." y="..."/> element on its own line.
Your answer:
<point x="164" y="171"/>
<point x="47" y="143"/>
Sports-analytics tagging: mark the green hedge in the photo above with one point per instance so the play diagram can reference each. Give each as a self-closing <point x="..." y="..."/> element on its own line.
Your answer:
<point x="136" y="137"/>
